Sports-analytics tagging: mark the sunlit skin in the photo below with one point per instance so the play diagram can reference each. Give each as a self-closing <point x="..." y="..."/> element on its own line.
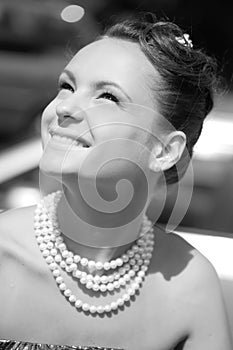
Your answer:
<point x="104" y="95"/>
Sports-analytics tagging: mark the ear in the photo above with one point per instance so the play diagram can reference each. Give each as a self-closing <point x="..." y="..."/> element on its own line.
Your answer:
<point x="166" y="153"/>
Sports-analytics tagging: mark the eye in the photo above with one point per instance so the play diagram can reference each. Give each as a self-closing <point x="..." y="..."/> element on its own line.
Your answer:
<point x="65" y="86"/>
<point x="109" y="96"/>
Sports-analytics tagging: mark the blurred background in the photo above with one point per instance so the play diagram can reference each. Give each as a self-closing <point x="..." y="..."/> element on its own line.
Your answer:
<point x="36" y="39"/>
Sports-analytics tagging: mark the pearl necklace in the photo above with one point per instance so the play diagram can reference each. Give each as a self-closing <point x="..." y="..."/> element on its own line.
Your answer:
<point x="129" y="270"/>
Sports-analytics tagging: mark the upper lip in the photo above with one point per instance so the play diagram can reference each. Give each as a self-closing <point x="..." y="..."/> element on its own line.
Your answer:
<point x="71" y="135"/>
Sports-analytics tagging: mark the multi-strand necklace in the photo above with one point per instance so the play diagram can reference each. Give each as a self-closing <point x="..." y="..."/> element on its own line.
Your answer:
<point x="126" y="272"/>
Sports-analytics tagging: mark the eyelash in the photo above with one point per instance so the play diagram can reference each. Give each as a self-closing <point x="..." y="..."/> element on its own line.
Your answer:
<point x="66" y="86"/>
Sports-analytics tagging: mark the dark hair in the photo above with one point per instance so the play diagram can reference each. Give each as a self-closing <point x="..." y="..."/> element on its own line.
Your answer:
<point x="188" y="77"/>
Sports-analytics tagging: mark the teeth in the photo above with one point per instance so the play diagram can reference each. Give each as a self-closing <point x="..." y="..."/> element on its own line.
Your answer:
<point x="68" y="140"/>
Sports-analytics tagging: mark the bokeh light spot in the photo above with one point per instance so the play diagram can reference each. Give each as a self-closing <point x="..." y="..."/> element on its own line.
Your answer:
<point x="72" y="13"/>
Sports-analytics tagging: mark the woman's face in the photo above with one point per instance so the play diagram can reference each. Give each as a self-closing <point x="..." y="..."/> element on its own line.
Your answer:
<point x="104" y="101"/>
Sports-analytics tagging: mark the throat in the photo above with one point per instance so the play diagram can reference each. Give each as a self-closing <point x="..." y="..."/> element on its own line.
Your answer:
<point x="106" y="243"/>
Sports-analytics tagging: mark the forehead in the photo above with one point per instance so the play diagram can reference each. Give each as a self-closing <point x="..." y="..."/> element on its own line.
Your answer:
<point x="119" y="60"/>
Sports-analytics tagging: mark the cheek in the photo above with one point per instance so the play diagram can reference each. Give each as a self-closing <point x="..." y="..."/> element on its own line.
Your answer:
<point x="48" y="116"/>
<point x="48" y="113"/>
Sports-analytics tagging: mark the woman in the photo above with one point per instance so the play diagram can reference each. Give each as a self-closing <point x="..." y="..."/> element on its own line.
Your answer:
<point x="92" y="270"/>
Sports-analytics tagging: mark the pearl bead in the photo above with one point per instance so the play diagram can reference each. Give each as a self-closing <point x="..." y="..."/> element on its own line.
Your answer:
<point x="62" y="246"/>
<point x="103" y="288"/>
<point x="116" y="284"/>
<point x="89" y="285"/>
<point x="135" y="268"/>
<point x="85" y="307"/>
<point x="65" y="254"/>
<point x="53" y="266"/>
<point x="144" y="268"/>
<point x="125" y="258"/>
<point x="126" y="297"/>
<point x="132" y="261"/>
<point x="63" y="264"/>
<point x="45" y="253"/>
<point x="138" y="279"/>
<point x="40" y="239"/>
<point x="117" y="276"/>
<point x="103" y="279"/>
<point x="47" y="240"/>
<point x="49" y="259"/>
<point x="67" y="293"/>
<point x="53" y="252"/>
<point x="68" y="269"/>
<point x="113" y="264"/>
<point x="131" y="273"/>
<point x="110" y="278"/>
<point x="119" y="262"/>
<point x="73" y="267"/>
<point x="84" y="274"/>
<point x="130" y="253"/>
<point x="126" y="277"/>
<point x="110" y="287"/>
<point x="43" y="246"/>
<point x="72" y="299"/>
<point x="141" y="274"/>
<point x="135" y="248"/>
<point x="106" y="265"/>
<point x="91" y="264"/>
<point x="120" y="302"/>
<point x="122" y="281"/>
<point x="83" y="280"/>
<point x="127" y="267"/>
<point x="62" y="286"/>
<point x="99" y="265"/>
<point x="78" y="304"/>
<point x="69" y="261"/>
<point x="96" y="287"/>
<point x="107" y="308"/>
<point x="77" y="258"/>
<point x="100" y="309"/>
<point x="56" y="273"/>
<point x="59" y="240"/>
<point x="93" y="309"/>
<point x="131" y="291"/>
<point x="59" y="280"/>
<point x="140" y="241"/>
<point x="113" y="305"/>
<point x="97" y="279"/>
<point x="84" y="262"/>
<point x="77" y="274"/>
<point x="122" y="271"/>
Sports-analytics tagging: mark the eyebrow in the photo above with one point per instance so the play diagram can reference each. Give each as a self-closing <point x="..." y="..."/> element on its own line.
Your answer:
<point x="100" y="84"/>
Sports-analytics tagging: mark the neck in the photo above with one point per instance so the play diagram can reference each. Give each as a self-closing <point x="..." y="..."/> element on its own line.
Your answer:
<point x="100" y="237"/>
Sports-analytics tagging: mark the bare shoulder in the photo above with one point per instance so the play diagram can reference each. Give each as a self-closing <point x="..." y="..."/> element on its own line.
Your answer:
<point x="16" y="230"/>
<point x="192" y="283"/>
<point x="178" y="260"/>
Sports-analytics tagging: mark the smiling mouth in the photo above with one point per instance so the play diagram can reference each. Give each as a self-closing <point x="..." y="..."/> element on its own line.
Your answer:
<point x="69" y="141"/>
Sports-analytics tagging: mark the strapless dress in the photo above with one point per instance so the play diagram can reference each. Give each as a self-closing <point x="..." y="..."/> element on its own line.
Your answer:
<point x="20" y="345"/>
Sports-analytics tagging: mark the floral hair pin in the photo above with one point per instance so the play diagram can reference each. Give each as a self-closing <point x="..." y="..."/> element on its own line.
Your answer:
<point x="185" y="40"/>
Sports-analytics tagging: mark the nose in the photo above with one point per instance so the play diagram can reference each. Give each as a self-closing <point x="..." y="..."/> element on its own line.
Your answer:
<point x="70" y="108"/>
